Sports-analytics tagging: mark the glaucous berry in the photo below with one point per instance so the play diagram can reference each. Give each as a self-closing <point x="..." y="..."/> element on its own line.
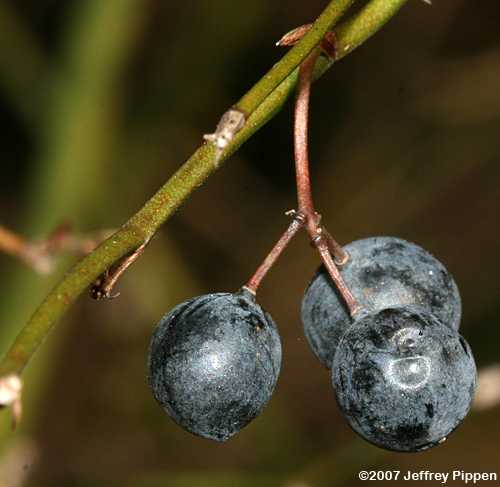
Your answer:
<point x="403" y="379"/>
<point x="381" y="272"/>
<point x="214" y="363"/>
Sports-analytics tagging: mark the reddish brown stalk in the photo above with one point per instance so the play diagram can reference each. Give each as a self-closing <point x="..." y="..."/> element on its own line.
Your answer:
<point x="326" y="257"/>
<point x="321" y="238"/>
<point x="301" y="138"/>
<point x="306" y="214"/>
<point x="254" y="282"/>
<point x="303" y="216"/>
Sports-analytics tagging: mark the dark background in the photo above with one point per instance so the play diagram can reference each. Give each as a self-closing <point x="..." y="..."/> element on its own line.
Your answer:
<point x="100" y="101"/>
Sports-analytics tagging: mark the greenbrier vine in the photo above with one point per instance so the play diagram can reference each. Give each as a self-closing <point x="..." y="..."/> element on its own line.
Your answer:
<point x="258" y="106"/>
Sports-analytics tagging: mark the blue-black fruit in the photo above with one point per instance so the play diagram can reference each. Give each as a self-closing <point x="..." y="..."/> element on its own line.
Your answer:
<point x="214" y="362"/>
<point x="403" y="380"/>
<point x="381" y="272"/>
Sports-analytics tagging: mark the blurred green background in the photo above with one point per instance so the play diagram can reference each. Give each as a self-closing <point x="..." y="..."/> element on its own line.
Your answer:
<point x="100" y="101"/>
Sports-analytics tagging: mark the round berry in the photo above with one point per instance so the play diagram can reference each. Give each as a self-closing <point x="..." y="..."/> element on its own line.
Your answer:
<point x="381" y="272"/>
<point x="403" y="380"/>
<point x="214" y="362"/>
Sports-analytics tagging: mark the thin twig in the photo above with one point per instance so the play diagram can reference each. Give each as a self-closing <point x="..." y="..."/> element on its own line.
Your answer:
<point x="14" y="245"/>
<point x="40" y="254"/>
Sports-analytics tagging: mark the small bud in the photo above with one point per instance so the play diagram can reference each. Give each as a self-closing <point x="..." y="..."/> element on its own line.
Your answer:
<point x="328" y="44"/>
<point x="10" y="395"/>
<point x="292" y="37"/>
<point x="229" y="125"/>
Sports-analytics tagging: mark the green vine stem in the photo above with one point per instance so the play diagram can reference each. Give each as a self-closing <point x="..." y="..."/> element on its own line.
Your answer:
<point x="263" y="101"/>
<point x="249" y="102"/>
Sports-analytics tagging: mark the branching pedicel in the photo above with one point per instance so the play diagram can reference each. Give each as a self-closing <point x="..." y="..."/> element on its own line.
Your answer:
<point x="110" y="259"/>
<point x="403" y="376"/>
<point x="306" y="216"/>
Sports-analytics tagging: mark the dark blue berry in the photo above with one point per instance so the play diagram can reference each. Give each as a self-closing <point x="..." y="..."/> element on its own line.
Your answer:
<point x="403" y="380"/>
<point x="214" y="362"/>
<point x="381" y="272"/>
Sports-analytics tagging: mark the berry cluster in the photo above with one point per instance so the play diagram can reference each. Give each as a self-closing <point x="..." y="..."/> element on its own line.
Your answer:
<point x="403" y="376"/>
<point x="381" y="313"/>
